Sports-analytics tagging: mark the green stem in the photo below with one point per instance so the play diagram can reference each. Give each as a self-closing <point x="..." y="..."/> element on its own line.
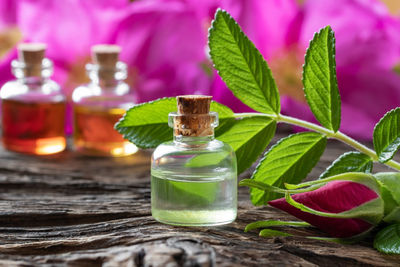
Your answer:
<point x="305" y="124"/>
<point x="255" y="114"/>
<point x="328" y="133"/>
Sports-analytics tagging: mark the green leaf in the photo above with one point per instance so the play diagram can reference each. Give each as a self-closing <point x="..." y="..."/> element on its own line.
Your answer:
<point x="146" y="125"/>
<point x="288" y="161"/>
<point x="264" y="224"/>
<point x="249" y="137"/>
<point x="349" y="162"/>
<point x="241" y="66"/>
<point x="391" y="180"/>
<point x="272" y="233"/>
<point x="388" y="239"/>
<point x="390" y="193"/>
<point x="347" y="240"/>
<point x="387" y="135"/>
<point x="319" y="79"/>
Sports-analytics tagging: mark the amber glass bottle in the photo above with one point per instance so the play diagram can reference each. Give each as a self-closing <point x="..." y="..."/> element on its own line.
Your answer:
<point x="100" y="104"/>
<point x="33" y="107"/>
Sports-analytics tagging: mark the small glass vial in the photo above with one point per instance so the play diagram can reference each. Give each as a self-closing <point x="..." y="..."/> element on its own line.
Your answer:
<point x="33" y="106"/>
<point x="97" y="106"/>
<point x="193" y="177"/>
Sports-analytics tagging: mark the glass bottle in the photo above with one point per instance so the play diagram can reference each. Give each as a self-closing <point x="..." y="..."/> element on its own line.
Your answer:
<point x="100" y="104"/>
<point x="33" y="106"/>
<point x="193" y="177"/>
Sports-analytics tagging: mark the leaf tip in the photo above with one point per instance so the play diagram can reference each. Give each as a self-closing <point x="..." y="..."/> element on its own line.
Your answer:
<point x="289" y="186"/>
<point x="218" y="12"/>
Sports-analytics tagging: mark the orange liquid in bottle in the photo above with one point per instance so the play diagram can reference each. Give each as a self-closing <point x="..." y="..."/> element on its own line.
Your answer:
<point x="95" y="135"/>
<point x="33" y="128"/>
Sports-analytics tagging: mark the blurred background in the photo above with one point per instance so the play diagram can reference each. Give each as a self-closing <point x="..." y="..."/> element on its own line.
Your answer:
<point x="164" y="43"/>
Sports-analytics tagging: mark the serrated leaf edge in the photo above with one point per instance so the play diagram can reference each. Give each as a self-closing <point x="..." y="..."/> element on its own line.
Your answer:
<point x="384" y="232"/>
<point x="340" y="158"/>
<point x="332" y="78"/>
<point x="383" y="160"/>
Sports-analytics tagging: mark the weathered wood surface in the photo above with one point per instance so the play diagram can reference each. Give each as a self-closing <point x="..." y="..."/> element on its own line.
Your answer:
<point x="70" y="210"/>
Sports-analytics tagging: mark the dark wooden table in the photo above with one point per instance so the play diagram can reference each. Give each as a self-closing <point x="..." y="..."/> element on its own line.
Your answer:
<point x="71" y="210"/>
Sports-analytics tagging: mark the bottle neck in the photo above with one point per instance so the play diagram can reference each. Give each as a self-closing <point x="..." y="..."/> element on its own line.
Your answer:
<point x="32" y="74"/>
<point x="193" y="141"/>
<point x="106" y="77"/>
<point x="107" y="84"/>
<point x="33" y="80"/>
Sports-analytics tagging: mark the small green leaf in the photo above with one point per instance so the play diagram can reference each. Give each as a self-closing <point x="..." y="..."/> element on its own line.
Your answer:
<point x="146" y="125"/>
<point x="347" y="240"/>
<point x="288" y="161"/>
<point x="387" y="135"/>
<point x="264" y="224"/>
<point x="349" y="162"/>
<point x="393" y="216"/>
<point x="272" y="233"/>
<point x="319" y="79"/>
<point x="388" y="239"/>
<point x="249" y="137"/>
<point x="241" y="66"/>
<point x="391" y="180"/>
<point x="390" y="193"/>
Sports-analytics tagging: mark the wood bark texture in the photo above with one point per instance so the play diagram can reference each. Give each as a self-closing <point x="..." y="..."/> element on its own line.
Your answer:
<point x="71" y="210"/>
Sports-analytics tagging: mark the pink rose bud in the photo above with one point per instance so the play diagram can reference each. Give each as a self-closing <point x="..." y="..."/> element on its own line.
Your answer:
<point x="334" y="197"/>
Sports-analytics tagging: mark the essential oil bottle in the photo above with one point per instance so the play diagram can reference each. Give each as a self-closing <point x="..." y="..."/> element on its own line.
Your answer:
<point x="33" y="106"/>
<point x="193" y="177"/>
<point x="97" y="106"/>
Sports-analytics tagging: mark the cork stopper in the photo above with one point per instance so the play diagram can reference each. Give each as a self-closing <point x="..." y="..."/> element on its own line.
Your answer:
<point x="32" y="55"/>
<point x="193" y="104"/>
<point x="106" y="56"/>
<point x="193" y="116"/>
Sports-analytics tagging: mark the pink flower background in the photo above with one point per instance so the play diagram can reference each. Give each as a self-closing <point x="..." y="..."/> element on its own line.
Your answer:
<point x="164" y="43"/>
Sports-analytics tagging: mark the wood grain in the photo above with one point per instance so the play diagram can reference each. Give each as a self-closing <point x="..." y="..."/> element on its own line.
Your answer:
<point x="70" y="210"/>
